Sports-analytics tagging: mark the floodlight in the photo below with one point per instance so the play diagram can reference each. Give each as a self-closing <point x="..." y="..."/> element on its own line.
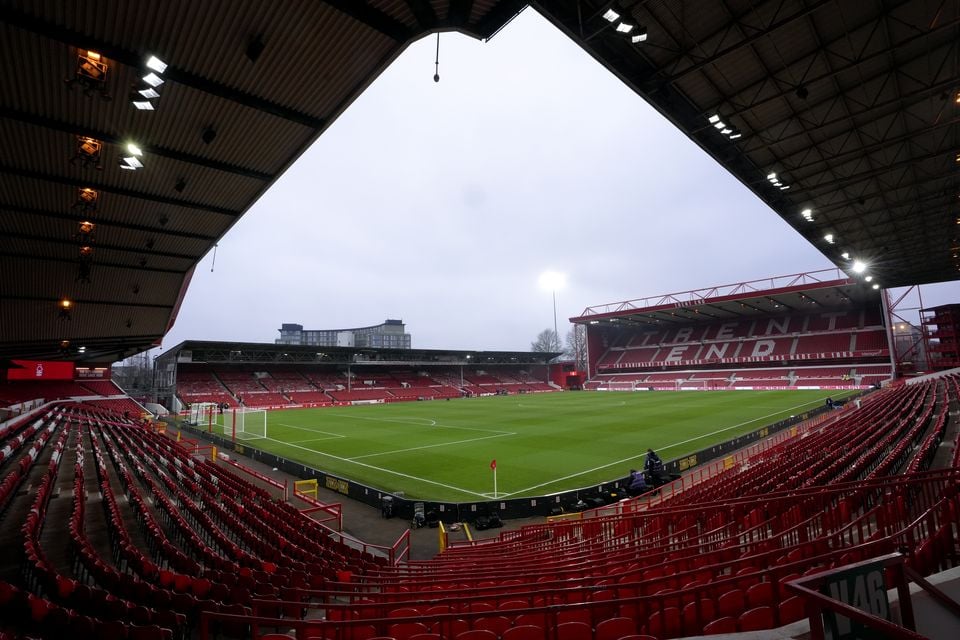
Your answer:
<point x="639" y="36"/>
<point x="829" y="238"/>
<point x="719" y="124"/>
<point x="771" y="177"/>
<point x="876" y="285"/>
<point x="149" y="94"/>
<point x="552" y="281"/>
<point x="784" y="187"/>
<point x="859" y="267"/>
<point x="610" y="15"/>
<point x="736" y="135"/>
<point x="868" y="278"/>
<point x="726" y="131"/>
<point x="808" y="214"/>
<point x="153" y="79"/>
<point x="134" y="149"/>
<point x="143" y="105"/>
<point x="132" y="162"/>
<point x="625" y="27"/>
<point x="714" y="119"/>
<point x="845" y="255"/>
<point x="156" y="64"/>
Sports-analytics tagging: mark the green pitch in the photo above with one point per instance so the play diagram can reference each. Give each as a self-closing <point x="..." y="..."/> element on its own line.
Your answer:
<point x="543" y="443"/>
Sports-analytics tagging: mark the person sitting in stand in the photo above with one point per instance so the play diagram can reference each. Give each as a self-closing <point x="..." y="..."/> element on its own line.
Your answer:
<point x="653" y="465"/>
<point x="638" y="484"/>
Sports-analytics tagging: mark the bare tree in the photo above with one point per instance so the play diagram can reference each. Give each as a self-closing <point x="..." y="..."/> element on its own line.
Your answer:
<point x="547" y="342"/>
<point x="577" y="346"/>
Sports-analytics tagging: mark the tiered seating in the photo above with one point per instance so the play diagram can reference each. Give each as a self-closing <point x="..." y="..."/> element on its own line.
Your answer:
<point x="823" y="376"/>
<point x="358" y="394"/>
<point x="21" y="391"/>
<point x="201" y="386"/>
<point x="101" y="387"/>
<point x="309" y="397"/>
<point x="711" y="559"/>
<point x="240" y="382"/>
<point x="829" y="335"/>
<point x="264" y="399"/>
<point x="761" y="378"/>
<point x="326" y="381"/>
<point x="123" y="406"/>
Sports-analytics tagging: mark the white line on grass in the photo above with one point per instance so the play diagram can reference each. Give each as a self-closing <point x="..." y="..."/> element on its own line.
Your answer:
<point x="370" y="466"/>
<point x="430" y="446"/>
<point x="669" y="446"/>
<point x="427" y="422"/>
<point x="432" y="423"/>
<point x="326" y="433"/>
<point x="314" y="440"/>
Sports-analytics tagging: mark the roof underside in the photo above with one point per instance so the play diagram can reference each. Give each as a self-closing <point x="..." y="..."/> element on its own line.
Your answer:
<point x="818" y="292"/>
<point x="852" y="104"/>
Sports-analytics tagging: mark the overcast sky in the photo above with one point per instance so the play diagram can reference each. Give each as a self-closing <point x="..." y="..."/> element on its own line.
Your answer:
<point x="441" y="205"/>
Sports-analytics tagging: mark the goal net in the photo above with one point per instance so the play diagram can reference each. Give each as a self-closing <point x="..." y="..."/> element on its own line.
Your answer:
<point x="203" y="414"/>
<point x="248" y="424"/>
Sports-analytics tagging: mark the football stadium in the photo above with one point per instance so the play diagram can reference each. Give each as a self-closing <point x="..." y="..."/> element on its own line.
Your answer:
<point x="769" y="458"/>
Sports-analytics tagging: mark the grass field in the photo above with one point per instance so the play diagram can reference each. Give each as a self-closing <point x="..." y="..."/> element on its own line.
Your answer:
<point x="543" y="443"/>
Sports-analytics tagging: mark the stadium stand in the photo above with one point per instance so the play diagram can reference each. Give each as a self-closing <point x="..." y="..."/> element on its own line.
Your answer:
<point x="191" y="545"/>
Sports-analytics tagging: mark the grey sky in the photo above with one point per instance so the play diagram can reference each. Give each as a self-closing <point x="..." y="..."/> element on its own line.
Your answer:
<point x="441" y="204"/>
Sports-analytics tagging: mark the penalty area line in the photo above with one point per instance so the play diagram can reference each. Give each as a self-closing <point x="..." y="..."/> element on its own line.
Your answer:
<point x="375" y="468"/>
<point x="430" y="446"/>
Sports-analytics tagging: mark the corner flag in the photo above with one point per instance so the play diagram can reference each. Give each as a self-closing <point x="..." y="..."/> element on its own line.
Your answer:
<point x="493" y="464"/>
<point x="493" y="467"/>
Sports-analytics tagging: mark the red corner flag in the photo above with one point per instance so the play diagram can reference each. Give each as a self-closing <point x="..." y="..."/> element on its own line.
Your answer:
<point x="493" y="464"/>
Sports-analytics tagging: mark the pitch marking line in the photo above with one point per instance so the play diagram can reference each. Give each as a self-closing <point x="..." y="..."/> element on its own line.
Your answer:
<point x="375" y="468"/>
<point x="326" y="433"/>
<point x="430" y="446"/>
<point x="669" y="446"/>
<point x="431" y="423"/>
<point x="315" y="440"/>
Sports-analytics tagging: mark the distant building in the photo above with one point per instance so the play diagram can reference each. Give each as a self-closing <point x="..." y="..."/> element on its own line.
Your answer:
<point x="389" y="335"/>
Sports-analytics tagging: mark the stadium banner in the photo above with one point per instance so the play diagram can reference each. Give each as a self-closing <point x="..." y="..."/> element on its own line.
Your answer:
<point x="40" y="370"/>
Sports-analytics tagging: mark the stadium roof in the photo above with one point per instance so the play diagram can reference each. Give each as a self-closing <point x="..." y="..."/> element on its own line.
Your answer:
<point x="818" y="291"/>
<point x="252" y="353"/>
<point x="851" y="104"/>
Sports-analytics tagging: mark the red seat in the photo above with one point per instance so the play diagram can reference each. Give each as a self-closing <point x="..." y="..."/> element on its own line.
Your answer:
<point x="721" y="625"/>
<point x="404" y="630"/>
<point x="574" y="631"/>
<point x="697" y="614"/>
<point x="477" y="634"/>
<point x="760" y="595"/>
<point x="665" y="623"/>
<point x="732" y="603"/>
<point x="525" y="632"/>
<point x="757" y="619"/>
<point x="615" y="628"/>
<point x="792" y="609"/>
<point x="497" y="624"/>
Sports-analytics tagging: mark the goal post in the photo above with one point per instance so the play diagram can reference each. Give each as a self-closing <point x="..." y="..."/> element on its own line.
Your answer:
<point x="203" y="414"/>
<point x="245" y="424"/>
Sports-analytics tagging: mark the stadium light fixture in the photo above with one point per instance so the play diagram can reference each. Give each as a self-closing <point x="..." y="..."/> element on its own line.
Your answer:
<point x="771" y="177"/>
<point x="155" y="63"/>
<point x="828" y="238"/>
<point x="869" y="278"/>
<point x="714" y="119"/>
<point x="149" y="94"/>
<point x="858" y="266"/>
<point x="845" y="255"/>
<point x="143" y="105"/>
<point x="625" y="27"/>
<point x="807" y="215"/>
<point x="719" y="124"/>
<point x="639" y="36"/>
<point x="726" y="131"/>
<point x="611" y="15"/>
<point x="876" y="285"/>
<point x="153" y="80"/>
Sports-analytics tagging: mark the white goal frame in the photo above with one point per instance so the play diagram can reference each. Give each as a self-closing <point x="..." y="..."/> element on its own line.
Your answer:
<point x="243" y="423"/>
<point x="203" y="414"/>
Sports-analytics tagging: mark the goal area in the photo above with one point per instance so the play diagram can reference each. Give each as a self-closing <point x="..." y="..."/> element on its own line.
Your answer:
<point x="243" y="423"/>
